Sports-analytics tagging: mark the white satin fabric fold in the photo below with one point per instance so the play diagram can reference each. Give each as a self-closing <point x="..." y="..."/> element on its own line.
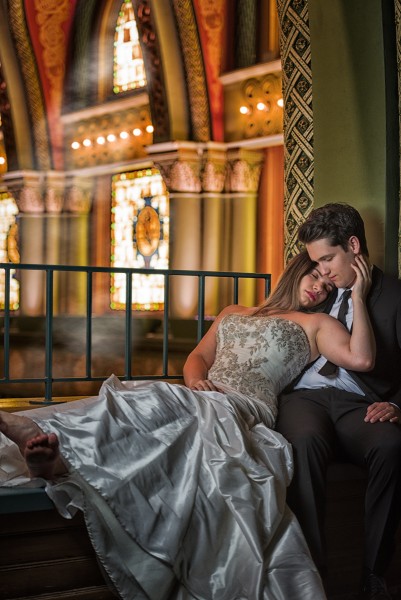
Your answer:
<point x="182" y="499"/>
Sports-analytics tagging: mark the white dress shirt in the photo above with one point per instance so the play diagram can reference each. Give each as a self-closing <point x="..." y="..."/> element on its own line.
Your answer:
<point x="312" y="379"/>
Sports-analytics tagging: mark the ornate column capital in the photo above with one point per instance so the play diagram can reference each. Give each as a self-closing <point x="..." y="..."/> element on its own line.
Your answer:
<point x="180" y="165"/>
<point x="54" y="192"/>
<point x="27" y="189"/>
<point x="78" y="195"/>
<point x="243" y="170"/>
<point x="214" y="167"/>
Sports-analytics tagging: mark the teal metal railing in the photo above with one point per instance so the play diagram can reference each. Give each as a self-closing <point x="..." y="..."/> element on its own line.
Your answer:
<point x="48" y="379"/>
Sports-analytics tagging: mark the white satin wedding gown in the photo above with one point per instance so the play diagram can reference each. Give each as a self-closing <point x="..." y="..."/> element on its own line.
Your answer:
<point x="183" y="492"/>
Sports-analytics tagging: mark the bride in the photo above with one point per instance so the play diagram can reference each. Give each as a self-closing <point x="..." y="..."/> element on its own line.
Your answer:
<point x="183" y="487"/>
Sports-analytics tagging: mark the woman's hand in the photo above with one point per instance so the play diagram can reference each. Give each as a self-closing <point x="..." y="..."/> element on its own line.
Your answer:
<point x="204" y="385"/>
<point x="363" y="280"/>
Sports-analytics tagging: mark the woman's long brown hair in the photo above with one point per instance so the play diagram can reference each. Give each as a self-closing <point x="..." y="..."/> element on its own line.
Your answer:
<point x="285" y="297"/>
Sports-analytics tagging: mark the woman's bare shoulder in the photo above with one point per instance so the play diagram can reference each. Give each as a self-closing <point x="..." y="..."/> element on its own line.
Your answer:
<point x="237" y="309"/>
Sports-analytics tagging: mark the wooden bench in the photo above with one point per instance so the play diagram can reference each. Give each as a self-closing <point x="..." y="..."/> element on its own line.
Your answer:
<point x="44" y="556"/>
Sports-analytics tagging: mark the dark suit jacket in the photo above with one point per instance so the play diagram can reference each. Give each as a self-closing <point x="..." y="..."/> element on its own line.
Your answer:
<point x="384" y="306"/>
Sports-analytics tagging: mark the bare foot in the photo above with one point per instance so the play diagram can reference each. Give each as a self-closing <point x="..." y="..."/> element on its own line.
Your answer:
<point x="18" y="429"/>
<point x="42" y="455"/>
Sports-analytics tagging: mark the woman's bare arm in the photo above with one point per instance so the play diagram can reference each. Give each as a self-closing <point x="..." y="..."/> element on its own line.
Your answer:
<point x="202" y="357"/>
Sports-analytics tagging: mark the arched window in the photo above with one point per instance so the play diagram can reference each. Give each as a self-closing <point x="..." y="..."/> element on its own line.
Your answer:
<point x="139" y="237"/>
<point x="129" y="70"/>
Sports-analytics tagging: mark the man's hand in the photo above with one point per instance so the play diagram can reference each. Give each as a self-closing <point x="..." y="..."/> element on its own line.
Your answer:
<point x="383" y="411"/>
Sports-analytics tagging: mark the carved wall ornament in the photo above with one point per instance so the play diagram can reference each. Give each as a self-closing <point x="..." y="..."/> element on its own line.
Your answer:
<point x="260" y="96"/>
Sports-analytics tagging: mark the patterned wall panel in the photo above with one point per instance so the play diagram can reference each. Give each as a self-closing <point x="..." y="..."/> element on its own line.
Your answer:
<point x="397" y="4"/>
<point x="298" y="117"/>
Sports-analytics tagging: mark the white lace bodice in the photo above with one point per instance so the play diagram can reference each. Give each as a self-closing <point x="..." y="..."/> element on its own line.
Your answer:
<point x="259" y="356"/>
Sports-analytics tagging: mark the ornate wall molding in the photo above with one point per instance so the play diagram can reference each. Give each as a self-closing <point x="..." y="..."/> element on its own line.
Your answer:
<point x="298" y="117"/>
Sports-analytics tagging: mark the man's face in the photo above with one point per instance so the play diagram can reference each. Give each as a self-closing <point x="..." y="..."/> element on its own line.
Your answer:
<point x="334" y="262"/>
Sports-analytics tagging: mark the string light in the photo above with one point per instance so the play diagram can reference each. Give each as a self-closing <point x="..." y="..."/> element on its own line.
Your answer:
<point x="244" y="110"/>
<point x="280" y="102"/>
<point x="101" y="139"/>
<point x="261" y="106"/>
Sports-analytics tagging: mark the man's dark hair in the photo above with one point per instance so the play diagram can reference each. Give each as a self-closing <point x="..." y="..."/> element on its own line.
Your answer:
<point x="335" y="222"/>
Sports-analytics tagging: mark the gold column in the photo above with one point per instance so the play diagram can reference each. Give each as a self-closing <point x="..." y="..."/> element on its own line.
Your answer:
<point x="179" y="164"/>
<point x="185" y="251"/>
<point x="214" y="224"/>
<point x="32" y="288"/>
<point x="78" y="203"/>
<point x="27" y="189"/>
<point x="244" y="168"/>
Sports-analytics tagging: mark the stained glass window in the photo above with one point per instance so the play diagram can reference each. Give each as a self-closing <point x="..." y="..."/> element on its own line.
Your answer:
<point x="139" y="237"/>
<point x="8" y="247"/>
<point x="129" y="70"/>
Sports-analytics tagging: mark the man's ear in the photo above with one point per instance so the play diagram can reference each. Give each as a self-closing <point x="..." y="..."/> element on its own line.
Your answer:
<point x="354" y="245"/>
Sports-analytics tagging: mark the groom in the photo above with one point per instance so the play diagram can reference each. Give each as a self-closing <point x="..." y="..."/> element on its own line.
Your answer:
<point x="358" y="412"/>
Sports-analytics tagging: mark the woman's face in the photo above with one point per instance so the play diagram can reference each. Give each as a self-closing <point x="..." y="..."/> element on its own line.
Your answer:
<point x="314" y="289"/>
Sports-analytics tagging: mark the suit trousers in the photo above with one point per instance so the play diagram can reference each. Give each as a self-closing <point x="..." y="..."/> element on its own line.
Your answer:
<point x="318" y="422"/>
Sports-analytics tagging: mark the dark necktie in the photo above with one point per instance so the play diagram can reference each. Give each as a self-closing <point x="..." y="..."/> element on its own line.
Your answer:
<point x="329" y="369"/>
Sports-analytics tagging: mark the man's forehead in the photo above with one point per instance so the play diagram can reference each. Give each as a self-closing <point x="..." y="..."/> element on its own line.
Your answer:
<point x="318" y="250"/>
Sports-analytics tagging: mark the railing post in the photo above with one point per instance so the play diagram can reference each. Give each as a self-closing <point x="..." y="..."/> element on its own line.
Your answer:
<point x="235" y="293"/>
<point x="128" y="325"/>
<point x="7" y="275"/>
<point x="166" y="322"/>
<point x="201" y="306"/>
<point x="88" y="365"/>
<point x="49" y="336"/>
